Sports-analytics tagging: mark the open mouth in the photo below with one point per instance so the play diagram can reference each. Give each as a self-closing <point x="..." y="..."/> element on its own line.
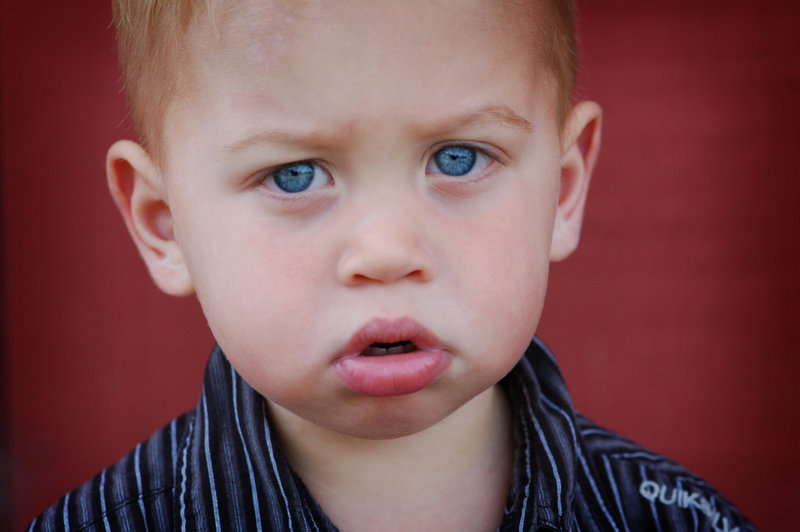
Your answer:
<point x="391" y="357"/>
<point x="391" y="348"/>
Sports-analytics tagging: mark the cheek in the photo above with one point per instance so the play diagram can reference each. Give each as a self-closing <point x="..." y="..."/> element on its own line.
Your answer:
<point x="502" y="267"/>
<point x="251" y="283"/>
<point x="510" y="258"/>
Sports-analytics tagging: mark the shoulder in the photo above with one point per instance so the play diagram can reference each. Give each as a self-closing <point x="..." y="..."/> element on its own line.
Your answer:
<point x="649" y="491"/>
<point x="133" y="494"/>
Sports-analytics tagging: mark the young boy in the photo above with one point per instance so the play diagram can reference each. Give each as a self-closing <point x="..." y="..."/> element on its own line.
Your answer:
<point x="365" y="197"/>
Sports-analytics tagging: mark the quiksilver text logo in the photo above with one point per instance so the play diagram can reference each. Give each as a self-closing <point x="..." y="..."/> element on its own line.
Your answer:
<point x="653" y="491"/>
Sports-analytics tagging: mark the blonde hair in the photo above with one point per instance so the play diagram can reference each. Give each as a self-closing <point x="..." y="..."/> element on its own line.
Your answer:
<point x="151" y="44"/>
<point x="560" y="50"/>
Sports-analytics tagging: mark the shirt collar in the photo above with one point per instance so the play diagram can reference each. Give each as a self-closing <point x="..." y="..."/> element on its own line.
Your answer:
<point x="544" y="477"/>
<point x="229" y="470"/>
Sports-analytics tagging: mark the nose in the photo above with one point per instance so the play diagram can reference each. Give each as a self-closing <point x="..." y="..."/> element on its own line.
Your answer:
<point x="385" y="249"/>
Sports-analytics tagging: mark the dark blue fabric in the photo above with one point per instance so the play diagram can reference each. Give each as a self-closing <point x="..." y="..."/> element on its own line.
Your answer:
<point x="218" y="468"/>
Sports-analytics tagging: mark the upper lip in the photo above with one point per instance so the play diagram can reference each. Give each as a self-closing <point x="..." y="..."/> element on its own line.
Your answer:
<point x="386" y="331"/>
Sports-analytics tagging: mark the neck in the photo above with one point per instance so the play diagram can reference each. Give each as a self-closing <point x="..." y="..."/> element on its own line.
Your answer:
<point x="456" y="471"/>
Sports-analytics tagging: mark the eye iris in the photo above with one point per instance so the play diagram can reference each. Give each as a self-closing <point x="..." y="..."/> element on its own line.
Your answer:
<point x="455" y="160"/>
<point x="295" y="177"/>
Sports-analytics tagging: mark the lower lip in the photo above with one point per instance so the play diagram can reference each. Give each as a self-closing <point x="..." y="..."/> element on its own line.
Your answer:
<point x="388" y="375"/>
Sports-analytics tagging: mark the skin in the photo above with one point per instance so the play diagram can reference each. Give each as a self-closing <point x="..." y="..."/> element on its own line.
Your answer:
<point x="369" y="91"/>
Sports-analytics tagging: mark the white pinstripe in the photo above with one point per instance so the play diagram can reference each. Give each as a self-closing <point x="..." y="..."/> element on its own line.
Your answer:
<point x="106" y="524"/>
<point x="275" y="471"/>
<point x="547" y="451"/>
<point x="253" y="490"/>
<point x="65" y="515"/>
<point x="615" y="491"/>
<point x="182" y="498"/>
<point x="211" y="479"/>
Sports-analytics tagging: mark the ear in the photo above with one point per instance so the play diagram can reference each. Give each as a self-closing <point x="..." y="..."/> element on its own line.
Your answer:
<point x="581" y="141"/>
<point x="139" y="190"/>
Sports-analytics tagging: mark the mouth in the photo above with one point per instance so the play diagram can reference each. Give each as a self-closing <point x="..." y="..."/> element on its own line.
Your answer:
<point x="391" y="357"/>
<point x="381" y="337"/>
<point x="392" y="348"/>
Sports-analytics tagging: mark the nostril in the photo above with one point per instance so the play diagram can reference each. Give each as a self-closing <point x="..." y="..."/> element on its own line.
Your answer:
<point x="384" y="253"/>
<point x="419" y="275"/>
<point x="367" y="268"/>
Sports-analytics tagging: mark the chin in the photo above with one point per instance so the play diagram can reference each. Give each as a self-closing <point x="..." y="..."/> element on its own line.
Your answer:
<point x="388" y="418"/>
<point x="389" y="429"/>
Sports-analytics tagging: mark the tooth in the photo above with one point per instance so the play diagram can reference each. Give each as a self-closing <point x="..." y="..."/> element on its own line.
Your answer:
<point x="375" y="350"/>
<point x="394" y="348"/>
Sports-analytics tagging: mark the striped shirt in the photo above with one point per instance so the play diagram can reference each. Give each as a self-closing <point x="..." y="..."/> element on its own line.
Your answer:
<point x="218" y="468"/>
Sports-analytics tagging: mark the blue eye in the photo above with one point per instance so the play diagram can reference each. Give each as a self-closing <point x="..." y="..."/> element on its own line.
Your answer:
<point x="297" y="177"/>
<point x="455" y="161"/>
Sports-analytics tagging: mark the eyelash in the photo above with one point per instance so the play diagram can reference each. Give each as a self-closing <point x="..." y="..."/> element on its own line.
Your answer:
<point x="271" y="176"/>
<point x="481" y="160"/>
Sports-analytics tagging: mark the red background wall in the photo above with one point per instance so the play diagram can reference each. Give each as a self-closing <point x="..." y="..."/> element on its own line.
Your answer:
<point x="676" y="322"/>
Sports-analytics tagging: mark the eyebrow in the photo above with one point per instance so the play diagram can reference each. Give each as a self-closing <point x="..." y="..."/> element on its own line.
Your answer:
<point x="278" y="137"/>
<point x="501" y="114"/>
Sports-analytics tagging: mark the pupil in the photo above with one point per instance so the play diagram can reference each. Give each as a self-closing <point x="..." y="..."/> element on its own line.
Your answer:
<point x="455" y="160"/>
<point x="295" y="177"/>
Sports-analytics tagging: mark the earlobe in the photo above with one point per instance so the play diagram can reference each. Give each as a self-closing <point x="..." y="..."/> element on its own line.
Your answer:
<point x="139" y="191"/>
<point x="581" y="141"/>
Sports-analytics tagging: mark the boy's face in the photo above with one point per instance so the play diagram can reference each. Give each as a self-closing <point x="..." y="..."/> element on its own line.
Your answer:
<point x="348" y="173"/>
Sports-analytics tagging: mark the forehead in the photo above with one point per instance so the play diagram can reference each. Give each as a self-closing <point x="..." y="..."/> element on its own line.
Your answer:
<point x="370" y="34"/>
<point x="316" y="56"/>
<point x="373" y="16"/>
